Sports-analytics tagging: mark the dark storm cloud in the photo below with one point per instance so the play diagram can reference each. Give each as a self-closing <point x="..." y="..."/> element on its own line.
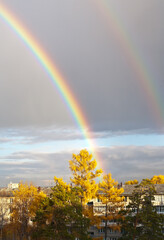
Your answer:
<point x="81" y="42"/>
<point x="90" y="56"/>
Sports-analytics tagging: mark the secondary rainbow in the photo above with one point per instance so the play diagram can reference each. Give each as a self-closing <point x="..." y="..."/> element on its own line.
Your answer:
<point x="144" y="77"/>
<point x="54" y="74"/>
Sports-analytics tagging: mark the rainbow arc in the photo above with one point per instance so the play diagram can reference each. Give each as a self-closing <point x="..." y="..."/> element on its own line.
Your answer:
<point x="144" y="78"/>
<point x="54" y="75"/>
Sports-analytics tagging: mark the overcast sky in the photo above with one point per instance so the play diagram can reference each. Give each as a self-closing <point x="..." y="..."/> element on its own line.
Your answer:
<point x="111" y="53"/>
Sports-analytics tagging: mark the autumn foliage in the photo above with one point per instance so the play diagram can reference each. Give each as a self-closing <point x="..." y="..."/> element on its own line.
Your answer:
<point x="131" y="182"/>
<point x="154" y="180"/>
<point x="84" y="172"/>
<point x="158" y="179"/>
<point x="26" y="200"/>
<point x="65" y="213"/>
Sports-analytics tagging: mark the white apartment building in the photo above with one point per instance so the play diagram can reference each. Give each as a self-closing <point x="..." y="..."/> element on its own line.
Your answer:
<point x="13" y="185"/>
<point x="99" y="209"/>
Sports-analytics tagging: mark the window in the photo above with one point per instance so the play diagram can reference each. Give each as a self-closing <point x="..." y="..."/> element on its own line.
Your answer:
<point x="159" y="198"/>
<point x="160" y="209"/>
<point x="102" y="230"/>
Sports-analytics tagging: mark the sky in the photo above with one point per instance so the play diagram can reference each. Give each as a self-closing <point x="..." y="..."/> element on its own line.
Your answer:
<point x="110" y="54"/>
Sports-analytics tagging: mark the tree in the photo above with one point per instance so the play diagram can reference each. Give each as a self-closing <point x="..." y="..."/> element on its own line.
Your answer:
<point x="131" y="182"/>
<point x="151" y="221"/>
<point x="141" y="220"/>
<point x="154" y="180"/>
<point x="110" y="195"/>
<point x="158" y="179"/>
<point x="60" y="216"/>
<point x="146" y="182"/>
<point x="131" y="220"/>
<point x="25" y="203"/>
<point x="84" y="172"/>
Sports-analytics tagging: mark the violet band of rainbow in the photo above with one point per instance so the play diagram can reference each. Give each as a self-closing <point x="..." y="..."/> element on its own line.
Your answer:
<point x="135" y="61"/>
<point x="54" y="75"/>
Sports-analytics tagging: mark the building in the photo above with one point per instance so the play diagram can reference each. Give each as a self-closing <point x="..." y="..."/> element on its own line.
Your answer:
<point x="6" y="198"/>
<point x="13" y="185"/>
<point x="99" y="209"/>
<point x="158" y="197"/>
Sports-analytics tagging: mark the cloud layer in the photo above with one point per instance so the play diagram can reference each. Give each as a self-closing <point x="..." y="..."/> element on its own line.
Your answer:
<point x="124" y="162"/>
<point x="94" y="62"/>
<point x="111" y="57"/>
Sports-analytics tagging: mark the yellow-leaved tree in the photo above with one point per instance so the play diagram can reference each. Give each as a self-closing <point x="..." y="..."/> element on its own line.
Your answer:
<point x="111" y="196"/>
<point x="26" y="200"/>
<point x="84" y="172"/>
<point x="158" y="179"/>
<point x="131" y="182"/>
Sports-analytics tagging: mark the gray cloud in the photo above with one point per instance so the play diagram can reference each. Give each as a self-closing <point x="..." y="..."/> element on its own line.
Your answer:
<point x="4" y="140"/>
<point x="37" y="135"/>
<point x="124" y="162"/>
<point x="129" y="162"/>
<point x="33" y="166"/>
<point x="87" y="47"/>
<point x="91" y="58"/>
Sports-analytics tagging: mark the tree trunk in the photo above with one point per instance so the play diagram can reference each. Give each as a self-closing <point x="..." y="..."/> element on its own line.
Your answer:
<point x="106" y="222"/>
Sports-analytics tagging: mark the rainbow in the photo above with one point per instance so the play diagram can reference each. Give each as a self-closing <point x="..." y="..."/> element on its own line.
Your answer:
<point x="143" y="76"/>
<point x="54" y="74"/>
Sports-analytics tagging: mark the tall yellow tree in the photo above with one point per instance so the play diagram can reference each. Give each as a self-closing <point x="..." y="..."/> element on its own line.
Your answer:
<point x="84" y="172"/>
<point x="24" y="206"/>
<point x="110" y="195"/>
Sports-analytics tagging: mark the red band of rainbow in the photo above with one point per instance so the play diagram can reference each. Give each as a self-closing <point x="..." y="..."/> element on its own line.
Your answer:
<point x="54" y="75"/>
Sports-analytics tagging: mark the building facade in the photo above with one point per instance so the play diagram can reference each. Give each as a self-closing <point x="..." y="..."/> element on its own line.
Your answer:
<point x="99" y="209"/>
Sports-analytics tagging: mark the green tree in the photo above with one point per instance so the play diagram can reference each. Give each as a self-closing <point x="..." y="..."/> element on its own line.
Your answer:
<point x="60" y="215"/>
<point x="141" y="220"/>
<point x="146" y="182"/>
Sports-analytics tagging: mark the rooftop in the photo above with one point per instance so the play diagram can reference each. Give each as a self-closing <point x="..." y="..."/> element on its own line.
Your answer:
<point x="128" y="189"/>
